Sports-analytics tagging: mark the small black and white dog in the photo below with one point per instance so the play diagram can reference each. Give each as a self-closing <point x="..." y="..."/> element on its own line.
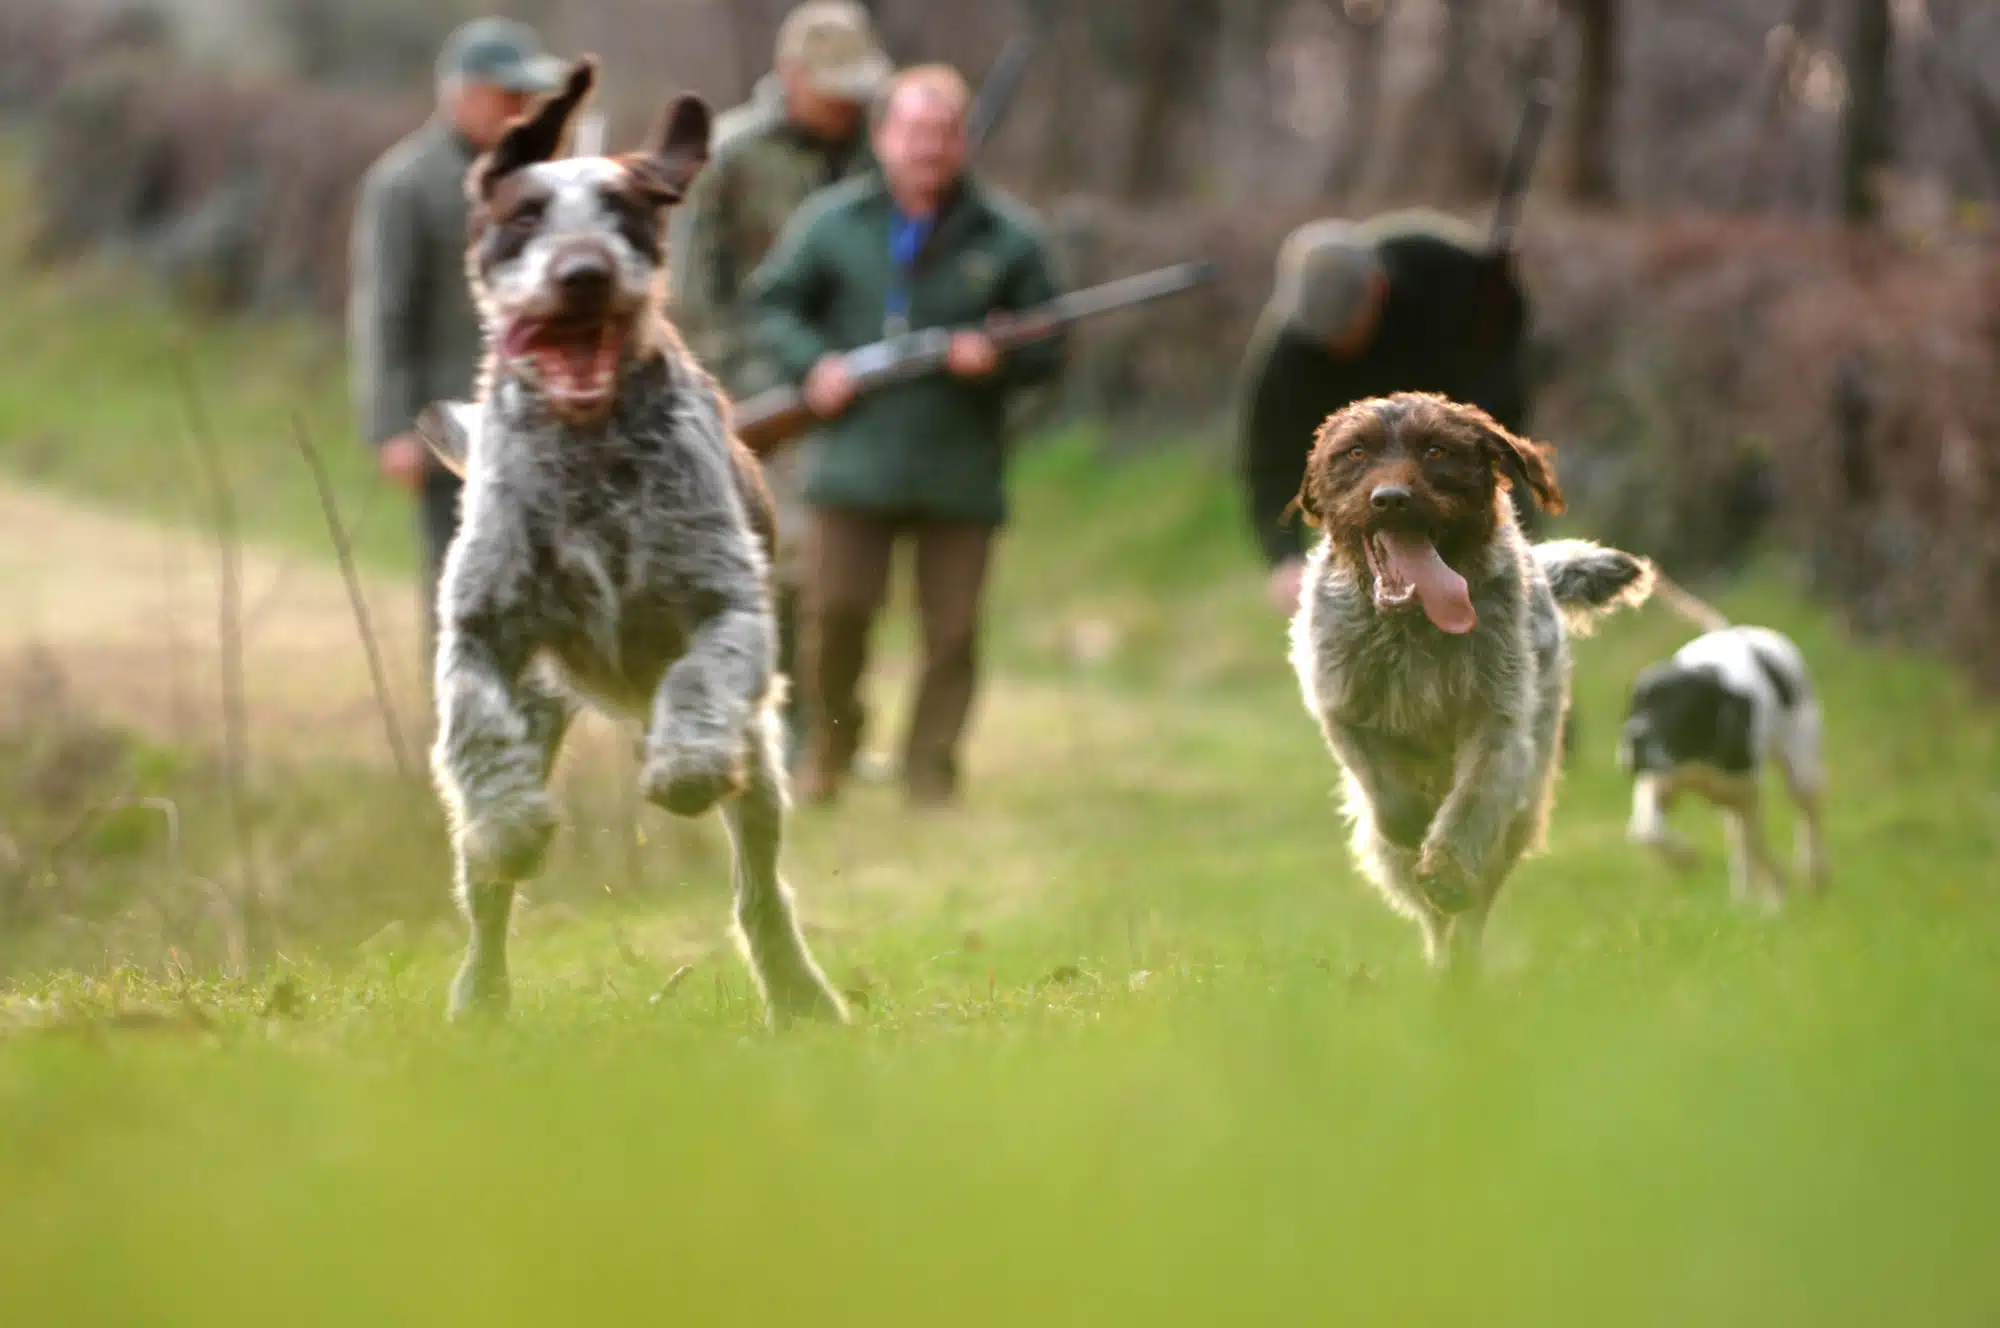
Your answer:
<point x="1709" y="721"/>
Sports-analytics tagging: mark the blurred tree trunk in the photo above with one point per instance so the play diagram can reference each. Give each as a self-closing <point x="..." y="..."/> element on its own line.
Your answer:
<point x="1242" y="86"/>
<point x="752" y="38"/>
<point x="1592" y="171"/>
<point x="1171" y="42"/>
<point x="1063" y="44"/>
<point x="1149" y="165"/>
<point x="1864" y="130"/>
<point x="1363" y="23"/>
<point x="1446" y="152"/>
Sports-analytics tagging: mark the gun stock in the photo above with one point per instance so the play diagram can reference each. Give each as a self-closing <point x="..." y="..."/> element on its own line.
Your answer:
<point x="772" y="418"/>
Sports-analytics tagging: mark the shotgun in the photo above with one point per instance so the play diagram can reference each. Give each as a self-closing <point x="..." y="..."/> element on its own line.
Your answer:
<point x="996" y="92"/>
<point x="775" y="417"/>
<point x="1520" y="166"/>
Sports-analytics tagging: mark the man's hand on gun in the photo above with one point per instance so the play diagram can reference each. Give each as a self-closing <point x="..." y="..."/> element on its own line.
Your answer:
<point x="972" y="355"/>
<point x="402" y="461"/>
<point x="829" y="387"/>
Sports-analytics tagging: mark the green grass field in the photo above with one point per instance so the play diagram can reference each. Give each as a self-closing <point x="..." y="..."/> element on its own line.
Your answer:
<point x="1137" y="1046"/>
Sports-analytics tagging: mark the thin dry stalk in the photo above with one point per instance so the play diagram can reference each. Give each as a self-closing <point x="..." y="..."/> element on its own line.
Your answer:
<point x="235" y="713"/>
<point x="329" y="507"/>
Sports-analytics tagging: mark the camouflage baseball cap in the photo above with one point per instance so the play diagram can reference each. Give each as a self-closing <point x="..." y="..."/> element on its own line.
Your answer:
<point x="502" y="52"/>
<point x="834" y="42"/>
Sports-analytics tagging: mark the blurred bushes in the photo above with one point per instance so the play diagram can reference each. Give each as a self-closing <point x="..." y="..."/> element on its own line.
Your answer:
<point x="235" y="191"/>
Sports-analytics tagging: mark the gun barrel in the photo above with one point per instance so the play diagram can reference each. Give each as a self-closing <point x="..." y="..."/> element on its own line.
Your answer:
<point x="1137" y="289"/>
<point x="1520" y="165"/>
<point x="997" y="91"/>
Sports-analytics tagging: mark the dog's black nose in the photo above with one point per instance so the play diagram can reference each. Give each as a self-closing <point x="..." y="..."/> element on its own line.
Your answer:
<point x="1390" y="497"/>
<point x="585" y="279"/>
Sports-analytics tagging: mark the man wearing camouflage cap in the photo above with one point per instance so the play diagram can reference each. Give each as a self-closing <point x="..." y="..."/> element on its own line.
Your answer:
<point x="413" y="333"/>
<point x="802" y="129"/>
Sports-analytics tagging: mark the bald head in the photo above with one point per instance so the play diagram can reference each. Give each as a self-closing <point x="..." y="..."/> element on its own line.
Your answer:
<point x="920" y="136"/>
<point x="1330" y="285"/>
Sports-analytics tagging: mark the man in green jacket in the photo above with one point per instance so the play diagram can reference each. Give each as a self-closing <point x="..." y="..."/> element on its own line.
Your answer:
<point x="413" y="334"/>
<point x="801" y="131"/>
<point x="918" y="244"/>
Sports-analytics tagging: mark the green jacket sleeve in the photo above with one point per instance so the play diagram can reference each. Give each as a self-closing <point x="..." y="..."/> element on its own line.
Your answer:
<point x="786" y="296"/>
<point x="1031" y="281"/>
<point x="386" y="298"/>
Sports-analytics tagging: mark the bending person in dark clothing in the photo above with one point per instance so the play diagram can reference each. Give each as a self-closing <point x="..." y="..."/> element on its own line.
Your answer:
<point x="1408" y="302"/>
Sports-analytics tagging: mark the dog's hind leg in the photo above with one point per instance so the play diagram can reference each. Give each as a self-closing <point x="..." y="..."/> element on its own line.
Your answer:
<point x="766" y="924"/>
<point x="1755" y="876"/>
<point x="1801" y="759"/>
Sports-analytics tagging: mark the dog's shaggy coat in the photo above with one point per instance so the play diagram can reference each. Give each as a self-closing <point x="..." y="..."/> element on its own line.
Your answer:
<point x="1432" y="647"/>
<point x="614" y="546"/>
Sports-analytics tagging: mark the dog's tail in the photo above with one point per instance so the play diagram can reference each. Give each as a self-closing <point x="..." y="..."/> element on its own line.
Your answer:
<point x="1590" y="580"/>
<point x="1688" y="606"/>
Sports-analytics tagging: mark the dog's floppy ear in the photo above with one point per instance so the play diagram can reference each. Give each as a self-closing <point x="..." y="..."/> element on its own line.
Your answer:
<point x="539" y="135"/>
<point x="676" y="150"/>
<point x="1526" y="463"/>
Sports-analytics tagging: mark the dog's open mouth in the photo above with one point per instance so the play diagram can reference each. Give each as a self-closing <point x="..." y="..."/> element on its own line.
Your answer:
<point x="1406" y="567"/>
<point x="576" y="360"/>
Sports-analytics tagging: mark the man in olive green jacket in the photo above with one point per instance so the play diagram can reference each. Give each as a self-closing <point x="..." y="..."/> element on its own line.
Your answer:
<point x="917" y="244"/>
<point x="801" y="131"/>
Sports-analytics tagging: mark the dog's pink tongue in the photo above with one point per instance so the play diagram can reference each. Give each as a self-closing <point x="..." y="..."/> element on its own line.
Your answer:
<point x="520" y="336"/>
<point x="1446" y="602"/>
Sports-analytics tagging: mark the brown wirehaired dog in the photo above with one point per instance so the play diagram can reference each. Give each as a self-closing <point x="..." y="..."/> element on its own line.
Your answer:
<point x="1431" y="645"/>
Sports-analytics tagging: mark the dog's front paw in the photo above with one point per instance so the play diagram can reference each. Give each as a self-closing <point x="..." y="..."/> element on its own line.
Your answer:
<point x="1445" y="883"/>
<point x="508" y="841"/>
<point x="687" y="781"/>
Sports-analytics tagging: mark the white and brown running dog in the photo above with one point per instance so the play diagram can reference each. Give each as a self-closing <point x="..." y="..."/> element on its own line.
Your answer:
<point x="1431" y="645"/>
<point x="615" y="547"/>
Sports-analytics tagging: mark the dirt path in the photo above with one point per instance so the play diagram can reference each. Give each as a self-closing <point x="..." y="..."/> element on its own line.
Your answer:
<point x="127" y="611"/>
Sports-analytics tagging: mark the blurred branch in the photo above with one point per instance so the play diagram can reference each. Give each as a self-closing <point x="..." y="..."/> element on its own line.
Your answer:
<point x="330" y="508"/>
<point x="1363" y="24"/>
<point x="1865" y="144"/>
<point x="250" y="903"/>
<point x="1592" y="178"/>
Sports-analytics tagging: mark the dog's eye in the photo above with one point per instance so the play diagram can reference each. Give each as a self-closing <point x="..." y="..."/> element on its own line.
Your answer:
<point x="525" y="218"/>
<point x="1357" y="454"/>
<point x="1433" y="454"/>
